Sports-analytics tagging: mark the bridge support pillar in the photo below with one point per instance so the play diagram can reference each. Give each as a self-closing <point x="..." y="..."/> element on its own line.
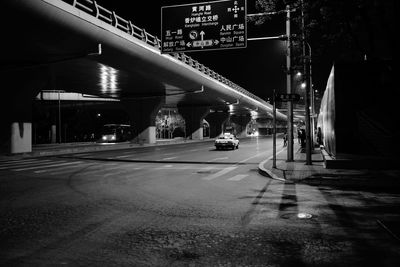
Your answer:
<point x="216" y="121"/>
<point x="18" y="90"/>
<point x="241" y="122"/>
<point x="194" y="121"/>
<point x="142" y="113"/>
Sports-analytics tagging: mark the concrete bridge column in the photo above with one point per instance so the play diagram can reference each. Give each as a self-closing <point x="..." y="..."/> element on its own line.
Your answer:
<point x="142" y="113"/>
<point x="216" y="121"/>
<point x="194" y="120"/>
<point x="18" y="90"/>
<point x="241" y="122"/>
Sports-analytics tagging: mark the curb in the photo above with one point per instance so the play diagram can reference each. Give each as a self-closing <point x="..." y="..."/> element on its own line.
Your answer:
<point x="268" y="173"/>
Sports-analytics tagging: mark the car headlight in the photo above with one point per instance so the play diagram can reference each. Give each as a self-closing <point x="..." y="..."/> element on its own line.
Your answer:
<point x="104" y="137"/>
<point x="113" y="137"/>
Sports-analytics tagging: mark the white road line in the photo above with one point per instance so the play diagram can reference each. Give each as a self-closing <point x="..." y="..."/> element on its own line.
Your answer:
<point x="18" y="161"/>
<point x="47" y="166"/>
<point x="238" y="177"/>
<point x="217" y="159"/>
<point x="167" y="166"/>
<point x="167" y="154"/>
<point x="169" y="158"/>
<point x="65" y="170"/>
<point x="193" y="150"/>
<point x="220" y="173"/>
<point x="84" y="171"/>
<point x="126" y="156"/>
<point x="257" y="155"/>
<point x="20" y="164"/>
<point x="207" y="168"/>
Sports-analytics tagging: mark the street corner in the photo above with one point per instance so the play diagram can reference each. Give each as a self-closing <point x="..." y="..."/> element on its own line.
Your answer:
<point x="265" y="168"/>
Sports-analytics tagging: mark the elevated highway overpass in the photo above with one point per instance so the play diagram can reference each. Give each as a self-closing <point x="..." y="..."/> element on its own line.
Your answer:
<point x="79" y="46"/>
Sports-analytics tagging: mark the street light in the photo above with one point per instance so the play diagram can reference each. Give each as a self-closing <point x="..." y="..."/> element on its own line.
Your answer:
<point x="311" y="90"/>
<point x="307" y="89"/>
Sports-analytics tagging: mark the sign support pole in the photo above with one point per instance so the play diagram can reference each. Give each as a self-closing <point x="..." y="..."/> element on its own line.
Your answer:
<point x="274" y="131"/>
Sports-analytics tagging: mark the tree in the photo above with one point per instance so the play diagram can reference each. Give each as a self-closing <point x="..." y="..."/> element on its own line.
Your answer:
<point x="349" y="29"/>
<point x="338" y="30"/>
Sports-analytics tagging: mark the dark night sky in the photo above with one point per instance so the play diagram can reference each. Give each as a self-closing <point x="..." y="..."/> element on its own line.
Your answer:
<point x="259" y="68"/>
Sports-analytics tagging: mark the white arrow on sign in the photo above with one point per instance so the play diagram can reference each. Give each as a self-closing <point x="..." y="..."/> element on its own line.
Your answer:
<point x="202" y="33"/>
<point x="189" y="44"/>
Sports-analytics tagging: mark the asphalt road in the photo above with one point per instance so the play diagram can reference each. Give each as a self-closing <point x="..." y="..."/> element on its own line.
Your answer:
<point x="184" y="205"/>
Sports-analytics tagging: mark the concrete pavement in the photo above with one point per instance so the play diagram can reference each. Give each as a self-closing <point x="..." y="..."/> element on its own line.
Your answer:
<point x="293" y="171"/>
<point x="368" y="177"/>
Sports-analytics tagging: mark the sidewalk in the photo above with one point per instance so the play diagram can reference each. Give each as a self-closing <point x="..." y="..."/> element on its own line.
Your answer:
<point x="316" y="174"/>
<point x="296" y="170"/>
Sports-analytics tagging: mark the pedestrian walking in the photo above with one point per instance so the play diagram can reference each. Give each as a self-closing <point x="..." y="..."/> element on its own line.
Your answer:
<point x="299" y="136"/>
<point x="285" y="137"/>
<point x="303" y="138"/>
<point x="319" y="136"/>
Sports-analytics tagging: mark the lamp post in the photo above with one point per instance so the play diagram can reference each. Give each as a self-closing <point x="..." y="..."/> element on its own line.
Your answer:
<point x="312" y="93"/>
<point x="307" y="93"/>
<point x="289" y="87"/>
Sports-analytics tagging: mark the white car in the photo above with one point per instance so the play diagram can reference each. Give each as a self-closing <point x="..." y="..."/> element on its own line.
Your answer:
<point x="226" y="141"/>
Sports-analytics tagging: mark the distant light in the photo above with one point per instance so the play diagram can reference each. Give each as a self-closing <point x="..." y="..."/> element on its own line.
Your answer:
<point x="98" y="115"/>
<point x="303" y="215"/>
<point x="303" y="85"/>
<point x="230" y="108"/>
<point x="298" y="74"/>
<point x="253" y="113"/>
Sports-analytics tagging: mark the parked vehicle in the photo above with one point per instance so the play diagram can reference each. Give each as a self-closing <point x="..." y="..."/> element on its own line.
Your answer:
<point x="112" y="133"/>
<point x="226" y="140"/>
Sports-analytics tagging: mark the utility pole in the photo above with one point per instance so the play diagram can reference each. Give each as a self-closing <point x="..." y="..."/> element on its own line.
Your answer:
<point x="289" y="87"/>
<point x="307" y="93"/>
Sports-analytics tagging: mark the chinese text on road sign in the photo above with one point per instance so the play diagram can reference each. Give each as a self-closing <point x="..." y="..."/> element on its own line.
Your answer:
<point x="203" y="26"/>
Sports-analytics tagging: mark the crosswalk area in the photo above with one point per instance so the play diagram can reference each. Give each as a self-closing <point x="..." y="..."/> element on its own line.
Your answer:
<point x="60" y="166"/>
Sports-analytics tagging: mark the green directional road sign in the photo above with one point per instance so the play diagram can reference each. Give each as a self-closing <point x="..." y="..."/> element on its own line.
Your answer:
<point x="204" y="26"/>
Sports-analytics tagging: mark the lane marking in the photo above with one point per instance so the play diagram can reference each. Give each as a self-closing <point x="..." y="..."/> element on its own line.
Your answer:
<point x="120" y="157"/>
<point x="18" y="161"/>
<point x="20" y="164"/>
<point x="167" y="166"/>
<point x="68" y="169"/>
<point x="169" y="158"/>
<point x="238" y="177"/>
<point x="48" y="166"/>
<point x="220" y="173"/>
<point x="217" y="159"/>
<point x="257" y="155"/>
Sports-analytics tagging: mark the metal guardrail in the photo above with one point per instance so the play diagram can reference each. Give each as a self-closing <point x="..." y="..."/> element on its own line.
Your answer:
<point x="91" y="7"/>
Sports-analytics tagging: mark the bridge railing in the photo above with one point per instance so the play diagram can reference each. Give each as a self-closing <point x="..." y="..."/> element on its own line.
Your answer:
<point x="91" y="7"/>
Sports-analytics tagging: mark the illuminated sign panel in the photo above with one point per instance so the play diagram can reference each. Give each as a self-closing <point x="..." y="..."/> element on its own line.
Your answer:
<point x="204" y="26"/>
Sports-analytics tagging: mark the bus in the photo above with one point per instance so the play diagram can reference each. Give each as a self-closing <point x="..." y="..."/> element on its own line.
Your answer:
<point x="113" y="133"/>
